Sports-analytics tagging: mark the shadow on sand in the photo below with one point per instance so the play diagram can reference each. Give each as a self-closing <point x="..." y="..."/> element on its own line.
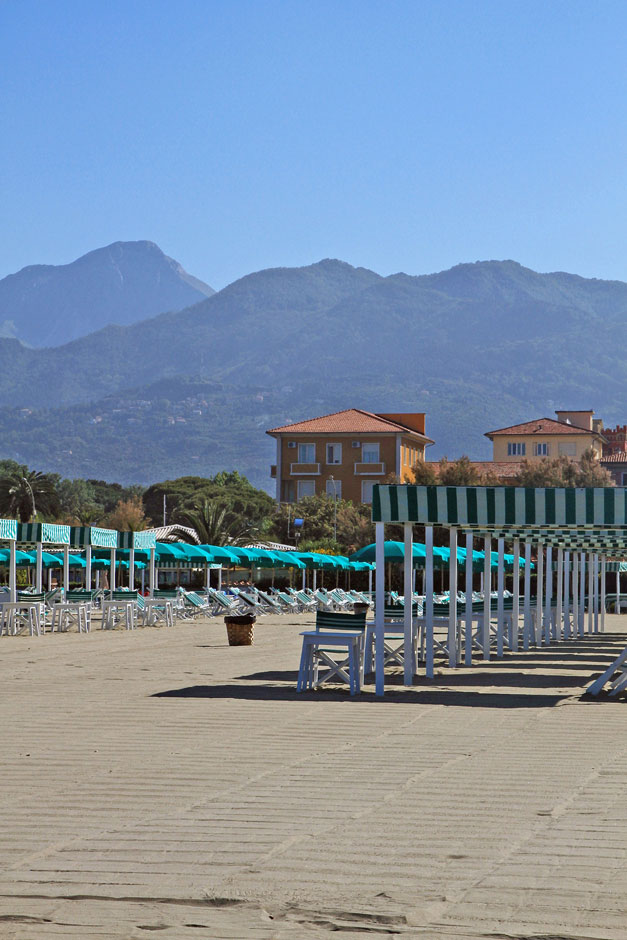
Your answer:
<point x="518" y="680"/>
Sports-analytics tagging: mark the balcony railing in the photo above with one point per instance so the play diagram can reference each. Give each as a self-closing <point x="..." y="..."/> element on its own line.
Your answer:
<point x="305" y="469"/>
<point x="369" y="469"/>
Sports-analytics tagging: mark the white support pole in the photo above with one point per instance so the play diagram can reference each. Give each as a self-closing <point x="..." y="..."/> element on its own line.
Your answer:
<point x="88" y="567"/>
<point x="409" y="666"/>
<point x="66" y="569"/>
<point x="527" y="615"/>
<point x="369" y="580"/>
<point x="603" y="577"/>
<point x="379" y="607"/>
<point x="315" y="580"/>
<point x="112" y="571"/>
<point x="207" y="577"/>
<point x="487" y="612"/>
<point x="582" y="594"/>
<point x="304" y="581"/>
<point x="590" y="593"/>
<point x="452" y="602"/>
<point x="576" y="595"/>
<point x="428" y="607"/>
<point x="131" y="569"/>
<point x="516" y="596"/>
<point x="220" y="578"/>
<point x="618" y="588"/>
<point x="560" y="594"/>
<point x="500" y="587"/>
<point x="151" y="573"/>
<point x="49" y="579"/>
<point x="12" y="573"/>
<point x="566" y="631"/>
<point x="539" y="597"/>
<point x="548" y="591"/>
<point x="596" y="592"/>
<point x="144" y="580"/>
<point x="39" y="569"/>
<point x="468" y="620"/>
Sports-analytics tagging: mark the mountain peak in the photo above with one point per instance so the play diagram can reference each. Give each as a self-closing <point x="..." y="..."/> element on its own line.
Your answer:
<point x="121" y="283"/>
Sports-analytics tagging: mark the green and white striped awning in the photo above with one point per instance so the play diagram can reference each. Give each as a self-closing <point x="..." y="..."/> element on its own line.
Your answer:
<point x="8" y="530"/>
<point x="499" y="506"/>
<point x="139" y="540"/>
<point x="34" y="532"/>
<point x="90" y="535"/>
<point x="582" y="538"/>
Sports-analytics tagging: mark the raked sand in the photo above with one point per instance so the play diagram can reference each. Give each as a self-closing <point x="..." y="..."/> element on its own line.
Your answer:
<point x="161" y="783"/>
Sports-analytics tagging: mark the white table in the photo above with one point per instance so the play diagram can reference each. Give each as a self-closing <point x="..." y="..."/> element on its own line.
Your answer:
<point x="13" y="613"/>
<point x="158" y="609"/>
<point x="66" y="612"/>
<point x="126" y="609"/>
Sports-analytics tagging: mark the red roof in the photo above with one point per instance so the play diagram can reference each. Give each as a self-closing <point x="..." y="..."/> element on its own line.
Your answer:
<point x="542" y="426"/>
<point x="351" y="421"/>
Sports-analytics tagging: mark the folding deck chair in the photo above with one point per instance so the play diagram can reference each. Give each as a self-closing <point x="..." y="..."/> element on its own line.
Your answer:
<point x="335" y="633"/>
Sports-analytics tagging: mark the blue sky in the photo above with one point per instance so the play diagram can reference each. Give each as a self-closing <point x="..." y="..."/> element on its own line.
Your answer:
<point x="240" y="135"/>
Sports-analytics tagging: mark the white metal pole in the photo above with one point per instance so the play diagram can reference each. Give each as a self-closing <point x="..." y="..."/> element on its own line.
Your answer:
<point x="88" y="567"/>
<point x="618" y="588"/>
<point x="516" y="596"/>
<point x="566" y="631"/>
<point x="452" y="601"/>
<point x="143" y="580"/>
<point x="379" y="607"/>
<point x="66" y="570"/>
<point x="39" y="569"/>
<point x="151" y="573"/>
<point x="112" y="570"/>
<point x="590" y="593"/>
<point x="131" y="569"/>
<point x="409" y="667"/>
<point x="527" y="598"/>
<point x="548" y="591"/>
<point x="220" y="578"/>
<point x="369" y="580"/>
<point x="582" y="594"/>
<point x="468" y="633"/>
<point x="12" y="573"/>
<point x="428" y="605"/>
<point x="560" y="594"/>
<point x="487" y="611"/>
<point x="500" y="587"/>
<point x="575" y="588"/>
<point x="596" y="592"/>
<point x="539" y="598"/>
<point x="603" y="577"/>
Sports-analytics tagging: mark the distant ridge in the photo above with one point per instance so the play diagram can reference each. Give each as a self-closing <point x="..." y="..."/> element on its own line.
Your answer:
<point x="479" y="346"/>
<point x="48" y="305"/>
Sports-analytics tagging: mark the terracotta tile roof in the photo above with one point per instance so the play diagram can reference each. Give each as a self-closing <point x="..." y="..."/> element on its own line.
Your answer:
<point x="542" y="426"/>
<point x="351" y="421"/>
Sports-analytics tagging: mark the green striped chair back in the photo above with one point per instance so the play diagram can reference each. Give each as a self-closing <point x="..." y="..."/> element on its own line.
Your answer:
<point x="29" y="598"/>
<point x="330" y="620"/>
<point x="167" y="595"/>
<point x="78" y="597"/>
<point x="124" y="595"/>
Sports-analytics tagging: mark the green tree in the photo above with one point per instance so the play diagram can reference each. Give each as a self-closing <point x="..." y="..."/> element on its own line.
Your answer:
<point x="27" y="493"/>
<point x="216" y="524"/>
<point x="322" y="516"/>
<point x="232" y="489"/>
<point x="561" y="471"/>
<point x="77" y="502"/>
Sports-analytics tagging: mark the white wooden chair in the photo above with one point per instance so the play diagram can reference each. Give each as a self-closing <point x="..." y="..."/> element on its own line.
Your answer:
<point x="336" y="635"/>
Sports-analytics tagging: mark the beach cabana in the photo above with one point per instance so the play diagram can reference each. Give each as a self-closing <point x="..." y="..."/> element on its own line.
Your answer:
<point x="582" y="525"/>
<point x="8" y="538"/>
<point x="145" y="542"/>
<point x="89" y="537"/>
<point x="52" y="536"/>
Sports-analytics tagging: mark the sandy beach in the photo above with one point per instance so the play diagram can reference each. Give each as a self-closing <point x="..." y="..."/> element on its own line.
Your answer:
<point x="159" y="781"/>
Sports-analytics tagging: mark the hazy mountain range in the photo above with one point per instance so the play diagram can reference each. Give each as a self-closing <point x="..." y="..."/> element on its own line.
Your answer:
<point x="192" y="391"/>
<point x="47" y="305"/>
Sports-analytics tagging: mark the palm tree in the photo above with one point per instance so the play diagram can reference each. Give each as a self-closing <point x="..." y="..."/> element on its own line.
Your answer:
<point x="25" y="493"/>
<point x="216" y="524"/>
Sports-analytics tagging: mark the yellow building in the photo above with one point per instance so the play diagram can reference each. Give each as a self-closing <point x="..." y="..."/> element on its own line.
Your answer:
<point x="345" y="454"/>
<point x="570" y="435"/>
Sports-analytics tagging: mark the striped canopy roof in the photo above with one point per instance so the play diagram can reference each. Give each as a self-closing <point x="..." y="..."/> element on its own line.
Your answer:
<point x="44" y="532"/>
<point x="8" y="530"/>
<point x="90" y="535"/>
<point x="497" y="507"/>
<point x="141" y="540"/>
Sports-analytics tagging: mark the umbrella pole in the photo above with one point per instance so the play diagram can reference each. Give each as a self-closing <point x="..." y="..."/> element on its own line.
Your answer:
<point x="88" y="567"/>
<point x="39" y="569"/>
<point x="131" y="569"/>
<point x="66" y="569"/>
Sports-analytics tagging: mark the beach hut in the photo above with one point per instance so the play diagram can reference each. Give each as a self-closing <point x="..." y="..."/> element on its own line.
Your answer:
<point x="89" y="537"/>
<point x="588" y="523"/>
<point x="51" y="535"/>
<point x="145" y="542"/>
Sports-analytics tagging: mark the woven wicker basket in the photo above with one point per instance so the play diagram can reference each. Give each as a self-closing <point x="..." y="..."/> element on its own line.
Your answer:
<point x="240" y="630"/>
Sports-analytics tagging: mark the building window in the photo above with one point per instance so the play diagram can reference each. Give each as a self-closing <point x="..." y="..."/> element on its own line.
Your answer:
<point x="334" y="453"/>
<point x="306" y="453"/>
<point x="366" y="490"/>
<point x="370" y="454"/>
<point x="541" y="450"/>
<point x="567" y="450"/>
<point x="334" y="489"/>
<point x="306" y="488"/>
<point x="515" y="450"/>
<point x="624" y="483"/>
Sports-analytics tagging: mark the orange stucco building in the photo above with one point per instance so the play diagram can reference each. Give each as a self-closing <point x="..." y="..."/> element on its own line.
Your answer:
<point x="346" y="453"/>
